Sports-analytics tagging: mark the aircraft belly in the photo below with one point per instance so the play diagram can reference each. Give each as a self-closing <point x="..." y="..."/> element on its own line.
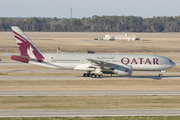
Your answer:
<point x="150" y="67"/>
<point x="67" y="65"/>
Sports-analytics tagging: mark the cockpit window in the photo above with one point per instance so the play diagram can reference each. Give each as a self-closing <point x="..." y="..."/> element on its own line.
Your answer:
<point x="170" y="60"/>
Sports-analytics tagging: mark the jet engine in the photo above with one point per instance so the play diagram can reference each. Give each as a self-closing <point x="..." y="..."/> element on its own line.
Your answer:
<point x="123" y="70"/>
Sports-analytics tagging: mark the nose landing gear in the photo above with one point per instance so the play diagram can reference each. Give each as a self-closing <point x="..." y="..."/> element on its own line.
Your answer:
<point x="161" y="73"/>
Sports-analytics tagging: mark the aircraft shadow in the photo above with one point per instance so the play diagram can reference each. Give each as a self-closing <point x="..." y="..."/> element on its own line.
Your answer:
<point x="145" y="40"/>
<point x="139" y="77"/>
<point x="145" y="77"/>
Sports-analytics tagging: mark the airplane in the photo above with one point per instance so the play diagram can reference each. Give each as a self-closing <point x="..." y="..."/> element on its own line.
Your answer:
<point x="95" y="64"/>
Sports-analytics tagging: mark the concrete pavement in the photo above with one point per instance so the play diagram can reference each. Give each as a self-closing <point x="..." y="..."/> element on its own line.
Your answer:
<point x="90" y="113"/>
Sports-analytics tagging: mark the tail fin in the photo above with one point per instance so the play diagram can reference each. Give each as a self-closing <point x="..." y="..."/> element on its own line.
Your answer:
<point x="26" y="46"/>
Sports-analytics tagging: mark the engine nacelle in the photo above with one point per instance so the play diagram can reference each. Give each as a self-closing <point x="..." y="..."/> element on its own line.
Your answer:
<point x="123" y="70"/>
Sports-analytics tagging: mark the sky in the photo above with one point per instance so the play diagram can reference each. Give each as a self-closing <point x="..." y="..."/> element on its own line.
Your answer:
<point x="88" y="8"/>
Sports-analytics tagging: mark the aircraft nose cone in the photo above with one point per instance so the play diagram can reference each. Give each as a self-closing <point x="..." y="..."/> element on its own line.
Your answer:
<point x="173" y="64"/>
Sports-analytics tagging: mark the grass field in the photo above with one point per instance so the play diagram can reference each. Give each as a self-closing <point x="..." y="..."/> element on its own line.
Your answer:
<point x="152" y="43"/>
<point x="89" y="102"/>
<point x="53" y="85"/>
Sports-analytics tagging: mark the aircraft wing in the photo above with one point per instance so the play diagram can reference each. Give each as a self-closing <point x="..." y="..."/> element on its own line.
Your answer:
<point x="109" y="68"/>
<point x="100" y="63"/>
<point x="96" y="65"/>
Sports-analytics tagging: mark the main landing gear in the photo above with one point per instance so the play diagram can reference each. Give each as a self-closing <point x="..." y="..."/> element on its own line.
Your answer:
<point x="93" y="75"/>
<point x="96" y="76"/>
<point x="86" y="74"/>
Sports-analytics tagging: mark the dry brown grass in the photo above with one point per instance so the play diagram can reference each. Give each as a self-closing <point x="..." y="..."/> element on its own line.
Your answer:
<point x="158" y="43"/>
<point x="54" y="85"/>
<point x="90" y="102"/>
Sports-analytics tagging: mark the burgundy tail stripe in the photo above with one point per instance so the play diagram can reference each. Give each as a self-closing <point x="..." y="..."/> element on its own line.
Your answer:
<point x="19" y="35"/>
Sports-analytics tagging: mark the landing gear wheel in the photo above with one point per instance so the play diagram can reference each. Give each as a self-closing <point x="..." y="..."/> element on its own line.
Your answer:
<point x="89" y="75"/>
<point x="93" y="75"/>
<point x="160" y="75"/>
<point x="97" y="76"/>
<point x="100" y="76"/>
<point x="85" y="74"/>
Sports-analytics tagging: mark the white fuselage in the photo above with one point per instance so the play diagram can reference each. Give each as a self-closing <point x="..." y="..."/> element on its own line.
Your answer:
<point x="139" y="62"/>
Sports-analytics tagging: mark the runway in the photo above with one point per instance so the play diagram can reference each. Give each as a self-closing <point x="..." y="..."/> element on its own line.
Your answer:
<point x="88" y="93"/>
<point x="87" y="78"/>
<point x="90" y="113"/>
<point x="75" y="71"/>
<point x="86" y="113"/>
<point x="167" y="75"/>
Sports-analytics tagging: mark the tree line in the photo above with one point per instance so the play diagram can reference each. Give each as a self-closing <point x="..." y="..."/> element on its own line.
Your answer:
<point x="94" y="24"/>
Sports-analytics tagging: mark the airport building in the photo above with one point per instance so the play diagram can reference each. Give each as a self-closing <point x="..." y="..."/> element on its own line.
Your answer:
<point x="120" y="37"/>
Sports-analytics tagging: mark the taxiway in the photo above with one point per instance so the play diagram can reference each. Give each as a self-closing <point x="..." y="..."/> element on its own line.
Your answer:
<point x="89" y="93"/>
<point x="87" y="78"/>
<point x="90" y="113"/>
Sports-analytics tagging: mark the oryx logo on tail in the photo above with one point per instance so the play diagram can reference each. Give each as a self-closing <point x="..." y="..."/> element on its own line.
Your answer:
<point x="26" y="46"/>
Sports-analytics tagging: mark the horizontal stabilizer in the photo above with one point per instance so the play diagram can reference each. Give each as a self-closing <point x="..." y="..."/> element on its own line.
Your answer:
<point x="8" y="54"/>
<point x="20" y="58"/>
